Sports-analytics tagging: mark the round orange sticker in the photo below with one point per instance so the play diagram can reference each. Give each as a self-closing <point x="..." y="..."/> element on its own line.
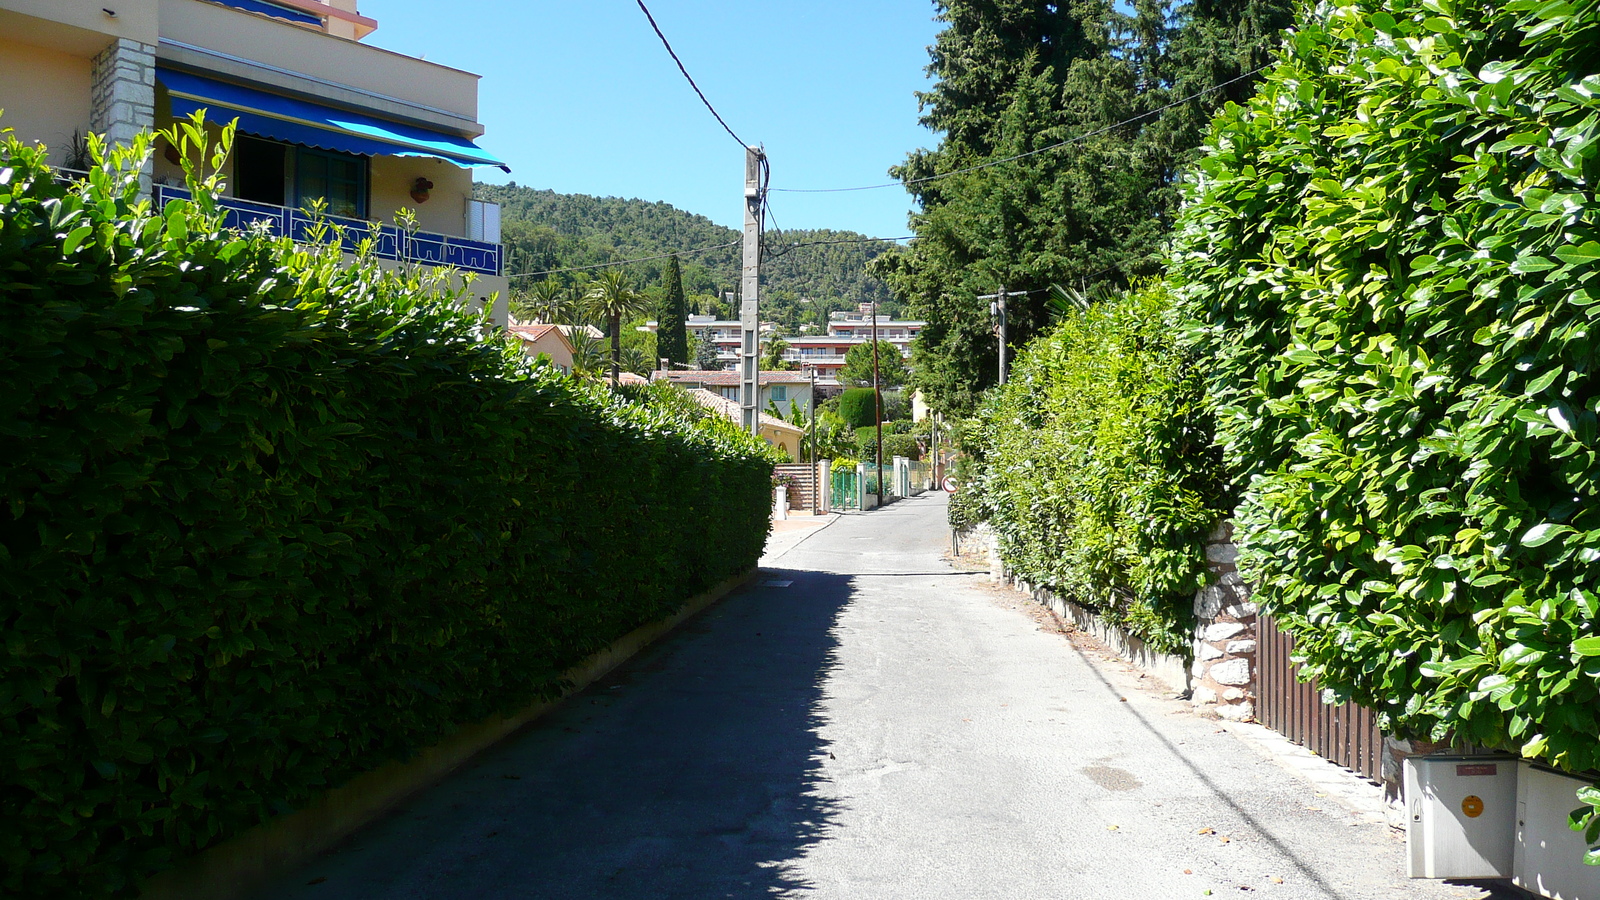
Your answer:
<point x="1472" y="806"/>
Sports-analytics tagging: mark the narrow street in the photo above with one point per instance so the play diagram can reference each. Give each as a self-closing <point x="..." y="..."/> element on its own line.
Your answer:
<point x="865" y="722"/>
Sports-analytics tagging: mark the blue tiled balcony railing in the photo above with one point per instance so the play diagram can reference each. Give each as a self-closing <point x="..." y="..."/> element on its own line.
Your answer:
<point x="388" y="242"/>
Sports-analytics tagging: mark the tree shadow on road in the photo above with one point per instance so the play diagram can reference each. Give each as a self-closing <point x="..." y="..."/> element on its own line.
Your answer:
<point x="690" y="772"/>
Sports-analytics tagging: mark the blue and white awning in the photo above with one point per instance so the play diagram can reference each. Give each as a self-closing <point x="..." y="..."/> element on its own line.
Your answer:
<point x="302" y="122"/>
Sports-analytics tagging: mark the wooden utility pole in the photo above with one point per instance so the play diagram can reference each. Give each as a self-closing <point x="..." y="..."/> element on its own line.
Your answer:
<point x="749" y="290"/>
<point x="877" y="402"/>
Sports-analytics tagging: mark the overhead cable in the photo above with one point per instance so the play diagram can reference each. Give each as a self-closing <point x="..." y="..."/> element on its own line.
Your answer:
<point x="1045" y="149"/>
<point x="686" y="75"/>
<point x="623" y="262"/>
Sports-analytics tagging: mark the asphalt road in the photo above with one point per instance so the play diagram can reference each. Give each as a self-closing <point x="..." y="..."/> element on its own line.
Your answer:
<point x="868" y="723"/>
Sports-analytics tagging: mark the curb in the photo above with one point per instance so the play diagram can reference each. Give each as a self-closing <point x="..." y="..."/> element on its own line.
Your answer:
<point x="237" y="868"/>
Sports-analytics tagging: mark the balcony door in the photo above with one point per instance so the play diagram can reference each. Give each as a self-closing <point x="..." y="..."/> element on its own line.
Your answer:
<point x="292" y="175"/>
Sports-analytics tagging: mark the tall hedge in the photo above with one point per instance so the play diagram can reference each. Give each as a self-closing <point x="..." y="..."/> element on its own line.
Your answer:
<point x="858" y="407"/>
<point x="273" y="519"/>
<point x="1393" y="255"/>
<point x="1094" y="465"/>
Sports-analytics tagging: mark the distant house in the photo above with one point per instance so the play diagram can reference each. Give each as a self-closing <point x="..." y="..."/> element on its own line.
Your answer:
<point x="785" y="390"/>
<point x="776" y="432"/>
<point x="547" y="339"/>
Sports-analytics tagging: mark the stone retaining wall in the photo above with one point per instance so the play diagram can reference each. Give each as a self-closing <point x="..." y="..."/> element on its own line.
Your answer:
<point x="1224" y="665"/>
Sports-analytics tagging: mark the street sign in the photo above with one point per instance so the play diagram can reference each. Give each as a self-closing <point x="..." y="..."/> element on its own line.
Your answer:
<point x="949" y="484"/>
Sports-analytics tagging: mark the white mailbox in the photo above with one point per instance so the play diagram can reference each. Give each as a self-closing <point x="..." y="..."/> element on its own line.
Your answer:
<point x="1460" y="816"/>
<point x="1549" y="855"/>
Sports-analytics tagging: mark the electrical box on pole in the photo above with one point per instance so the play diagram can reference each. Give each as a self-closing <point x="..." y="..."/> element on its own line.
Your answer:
<point x="750" y="287"/>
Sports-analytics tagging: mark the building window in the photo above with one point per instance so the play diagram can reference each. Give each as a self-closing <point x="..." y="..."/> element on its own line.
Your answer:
<point x="338" y="178"/>
<point x="780" y="393"/>
<point x="731" y="393"/>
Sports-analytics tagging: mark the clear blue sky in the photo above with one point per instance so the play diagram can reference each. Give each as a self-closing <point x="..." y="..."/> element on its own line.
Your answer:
<point x="580" y="96"/>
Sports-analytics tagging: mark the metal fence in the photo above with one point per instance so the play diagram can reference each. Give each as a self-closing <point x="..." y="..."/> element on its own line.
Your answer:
<point x="1346" y="734"/>
<point x="388" y="242"/>
<point x="846" y="484"/>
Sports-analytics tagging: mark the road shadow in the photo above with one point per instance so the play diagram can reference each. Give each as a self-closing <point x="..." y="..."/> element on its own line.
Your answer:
<point x="689" y="772"/>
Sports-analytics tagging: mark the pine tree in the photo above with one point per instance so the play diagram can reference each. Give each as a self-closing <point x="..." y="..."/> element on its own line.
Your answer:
<point x="1015" y="76"/>
<point x="672" y="338"/>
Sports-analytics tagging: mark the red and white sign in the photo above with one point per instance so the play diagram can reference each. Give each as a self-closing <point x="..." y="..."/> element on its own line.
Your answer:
<point x="949" y="485"/>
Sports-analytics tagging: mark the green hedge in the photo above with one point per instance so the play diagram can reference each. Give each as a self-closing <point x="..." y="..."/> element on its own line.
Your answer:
<point x="273" y="519"/>
<point x="858" y="407"/>
<point x="1393" y="253"/>
<point x="1095" y="468"/>
<point x="895" y="443"/>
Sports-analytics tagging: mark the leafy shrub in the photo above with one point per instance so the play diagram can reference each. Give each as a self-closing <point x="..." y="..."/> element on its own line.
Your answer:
<point x="1393" y="253"/>
<point x="1094" y="466"/>
<point x="274" y="518"/>
<point x="858" y="408"/>
<point x="895" y="443"/>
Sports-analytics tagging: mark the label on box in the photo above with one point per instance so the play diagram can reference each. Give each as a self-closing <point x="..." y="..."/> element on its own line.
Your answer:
<point x="1480" y="769"/>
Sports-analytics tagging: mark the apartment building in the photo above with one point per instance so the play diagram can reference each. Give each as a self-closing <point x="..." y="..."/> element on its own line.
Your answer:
<point x="322" y="117"/>
<point x="823" y="352"/>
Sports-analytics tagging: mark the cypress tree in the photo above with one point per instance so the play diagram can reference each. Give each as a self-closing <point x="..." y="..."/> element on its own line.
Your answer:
<point x="672" y="338"/>
<point x="1014" y="77"/>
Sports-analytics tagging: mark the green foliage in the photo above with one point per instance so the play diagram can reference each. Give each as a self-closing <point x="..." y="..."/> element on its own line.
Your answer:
<point x="672" y="336"/>
<point x="857" y="369"/>
<point x="611" y="298"/>
<point x="705" y="353"/>
<point x="1094" y="466"/>
<point x="1015" y="76"/>
<point x="544" y="230"/>
<point x="274" y="518"/>
<point x="1393" y="255"/>
<point x="858" y="407"/>
<point x="894" y="444"/>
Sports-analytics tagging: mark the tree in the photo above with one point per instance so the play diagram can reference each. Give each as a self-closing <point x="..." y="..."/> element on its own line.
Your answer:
<point x="1016" y="77"/>
<point x="857" y="371"/>
<point x="672" y="340"/>
<point x="547" y="301"/>
<point x="705" y="353"/>
<point x="772" y="356"/>
<point x="588" y="354"/>
<point x="611" y="297"/>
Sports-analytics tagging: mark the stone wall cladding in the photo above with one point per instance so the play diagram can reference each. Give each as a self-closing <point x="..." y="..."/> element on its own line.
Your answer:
<point x="124" y="101"/>
<point x="1223" y="673"/>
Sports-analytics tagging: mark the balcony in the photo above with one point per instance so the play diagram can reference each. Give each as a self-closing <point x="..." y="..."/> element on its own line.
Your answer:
<point x="388" y="242"/>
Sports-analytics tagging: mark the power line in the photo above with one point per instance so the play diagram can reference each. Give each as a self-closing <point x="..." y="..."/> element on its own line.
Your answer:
<point x="674" y="55"/>
<point x="1045" y="149"/>
<point x="623" y="262"/>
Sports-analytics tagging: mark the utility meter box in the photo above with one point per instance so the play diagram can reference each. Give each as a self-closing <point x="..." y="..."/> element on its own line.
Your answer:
<point x="1549" y="855"/>
<point x="1460" y="816"/>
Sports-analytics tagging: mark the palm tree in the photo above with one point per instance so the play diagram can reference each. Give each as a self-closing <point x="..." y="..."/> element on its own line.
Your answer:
<point x="611" y="297"/>
<point x="634" y="360"/>
<point x="548" y="302"/>
<point x="588" y="356"/>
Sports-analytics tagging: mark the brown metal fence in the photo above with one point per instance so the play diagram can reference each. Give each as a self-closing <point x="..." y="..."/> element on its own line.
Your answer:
<point x="1346" y="734"/>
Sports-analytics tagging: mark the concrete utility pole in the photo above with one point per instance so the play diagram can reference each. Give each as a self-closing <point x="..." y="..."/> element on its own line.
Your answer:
<point x="750" y="286"/>
<point x="997" y="308"/>
<point x="877" y="402"/>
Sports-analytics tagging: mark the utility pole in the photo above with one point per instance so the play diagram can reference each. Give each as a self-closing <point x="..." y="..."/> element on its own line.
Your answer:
<point x="877" y="401"/>
<point x="750" y="286"/>
<point x="811" y="412"/>
<point x="997" y="308"/>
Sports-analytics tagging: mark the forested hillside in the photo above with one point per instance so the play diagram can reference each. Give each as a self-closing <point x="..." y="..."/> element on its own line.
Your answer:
<point x="545" y="230"/>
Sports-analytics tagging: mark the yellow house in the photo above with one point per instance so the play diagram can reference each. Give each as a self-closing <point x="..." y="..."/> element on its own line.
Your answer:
<point x="775" y="431"/>
<point x="321" y="116"/>
<point x="549" y="340"/>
